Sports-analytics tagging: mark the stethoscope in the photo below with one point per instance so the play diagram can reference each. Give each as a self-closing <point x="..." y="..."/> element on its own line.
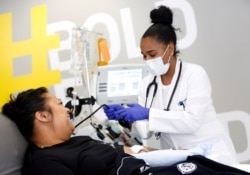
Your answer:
<point x="154" y="85"/>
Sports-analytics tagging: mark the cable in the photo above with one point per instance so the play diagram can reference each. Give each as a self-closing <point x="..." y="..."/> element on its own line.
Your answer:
<point x="90" y="115"/>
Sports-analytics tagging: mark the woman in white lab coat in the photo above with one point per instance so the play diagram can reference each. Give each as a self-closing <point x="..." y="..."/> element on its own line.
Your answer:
<point x="175" y="98"/>
<point x="191" y="118"/>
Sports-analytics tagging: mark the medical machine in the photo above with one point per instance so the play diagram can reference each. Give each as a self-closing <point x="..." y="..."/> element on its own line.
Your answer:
<point x="115" y="84"/>
<point x="119" y="84"/>
<point x="103" y="84"/>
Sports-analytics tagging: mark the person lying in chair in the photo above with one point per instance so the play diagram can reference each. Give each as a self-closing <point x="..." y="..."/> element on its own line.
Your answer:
<point x="45" y="123"/>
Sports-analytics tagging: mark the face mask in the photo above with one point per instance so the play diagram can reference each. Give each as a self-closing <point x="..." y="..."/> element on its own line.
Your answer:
<point x="156" y="65"/>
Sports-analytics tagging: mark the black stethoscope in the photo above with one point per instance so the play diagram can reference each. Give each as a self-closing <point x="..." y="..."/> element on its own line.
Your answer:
<point x="155" y="85"/>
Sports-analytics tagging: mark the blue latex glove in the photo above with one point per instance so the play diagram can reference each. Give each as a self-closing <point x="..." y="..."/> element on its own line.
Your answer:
<point x="110" y="109"/>
<point x="133" y="113"/>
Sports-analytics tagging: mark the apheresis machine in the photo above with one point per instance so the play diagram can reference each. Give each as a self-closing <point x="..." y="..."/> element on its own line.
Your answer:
<point x="103" y="84"/>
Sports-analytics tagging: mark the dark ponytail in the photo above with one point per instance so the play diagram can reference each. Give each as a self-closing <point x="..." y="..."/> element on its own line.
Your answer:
<point x="162" y="29"/>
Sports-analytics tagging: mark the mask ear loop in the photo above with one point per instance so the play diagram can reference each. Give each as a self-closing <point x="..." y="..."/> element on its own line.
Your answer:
<point x="169" y="55"/>
<point x="165" y="52"/>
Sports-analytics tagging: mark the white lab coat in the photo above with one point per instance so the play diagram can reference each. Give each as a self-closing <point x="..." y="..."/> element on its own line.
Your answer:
<point x="196" y="124"/>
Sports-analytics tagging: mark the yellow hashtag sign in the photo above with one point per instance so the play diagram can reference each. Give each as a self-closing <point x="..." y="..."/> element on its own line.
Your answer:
<point x="37" y="47"/>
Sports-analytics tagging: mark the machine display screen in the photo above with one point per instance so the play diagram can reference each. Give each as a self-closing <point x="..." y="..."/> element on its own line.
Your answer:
<point x="123" y="82"/>
<point x="119" y="83"/>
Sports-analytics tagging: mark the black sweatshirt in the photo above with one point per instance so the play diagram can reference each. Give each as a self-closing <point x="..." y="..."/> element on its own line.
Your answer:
<point x="79" y="155"/>
<point x="82" y="155"/>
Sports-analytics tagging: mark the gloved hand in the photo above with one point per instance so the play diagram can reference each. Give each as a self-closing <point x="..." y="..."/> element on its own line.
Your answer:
<point x="133" y="113"/>
<point x="110" y="109"/>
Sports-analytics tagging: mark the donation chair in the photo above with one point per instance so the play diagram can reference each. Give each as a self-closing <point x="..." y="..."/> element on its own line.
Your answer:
<point x="12" y="147"/>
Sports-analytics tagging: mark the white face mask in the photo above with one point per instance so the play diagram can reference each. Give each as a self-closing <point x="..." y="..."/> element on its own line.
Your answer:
<point x="156" y="65"/>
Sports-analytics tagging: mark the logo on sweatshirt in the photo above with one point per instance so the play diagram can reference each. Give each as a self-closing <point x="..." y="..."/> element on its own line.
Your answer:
<point x="186" y="168"/>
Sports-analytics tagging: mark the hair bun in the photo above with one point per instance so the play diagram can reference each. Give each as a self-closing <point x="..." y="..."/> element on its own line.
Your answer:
<point x="162" y="14"/>
<point x="9" y="110"/>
